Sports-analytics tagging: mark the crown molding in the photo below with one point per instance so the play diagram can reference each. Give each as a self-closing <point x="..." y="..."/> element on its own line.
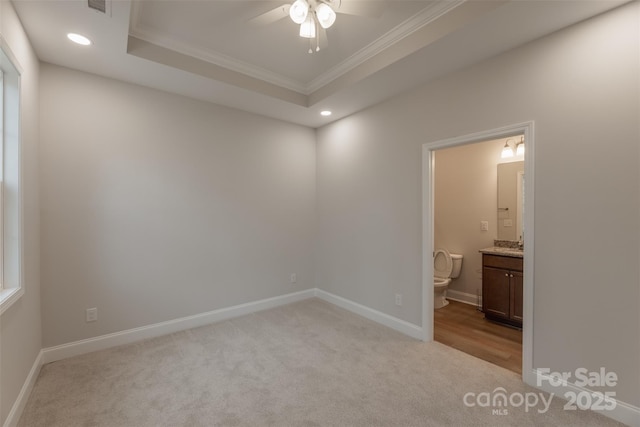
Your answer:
<point x="216" y="58"/>
<point x="221" y="60"/>
<point x="427" y="15"/>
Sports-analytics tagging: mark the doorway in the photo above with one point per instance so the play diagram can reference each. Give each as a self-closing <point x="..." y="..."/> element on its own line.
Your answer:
<point x="429" y="149"/>
<point x="475" y="208"/>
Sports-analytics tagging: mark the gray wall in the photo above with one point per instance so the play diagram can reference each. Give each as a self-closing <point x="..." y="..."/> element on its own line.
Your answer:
<point x="20" y="331"/>
<point x="581" y="88"/>
<point x="156" y="206"/>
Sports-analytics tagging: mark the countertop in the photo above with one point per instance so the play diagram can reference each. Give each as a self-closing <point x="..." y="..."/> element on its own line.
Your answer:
<point x="495" y="250"/>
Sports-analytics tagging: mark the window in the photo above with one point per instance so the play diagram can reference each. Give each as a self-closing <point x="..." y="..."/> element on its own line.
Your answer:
<point x="2" y="287"/>
<point x="11" y="287"/>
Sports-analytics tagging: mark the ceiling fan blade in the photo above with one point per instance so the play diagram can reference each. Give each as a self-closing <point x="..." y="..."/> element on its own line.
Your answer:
<point x="271" y="16"/>
<point x="368" y="8"/>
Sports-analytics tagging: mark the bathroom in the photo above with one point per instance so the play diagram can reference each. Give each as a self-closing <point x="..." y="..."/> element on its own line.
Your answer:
<point x="476" y="201"/>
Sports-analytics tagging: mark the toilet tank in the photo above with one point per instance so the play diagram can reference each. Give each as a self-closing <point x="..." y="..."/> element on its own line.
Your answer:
<point x="456" y="261"/>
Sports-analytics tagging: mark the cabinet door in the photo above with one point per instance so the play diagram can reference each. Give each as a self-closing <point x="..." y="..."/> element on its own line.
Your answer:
<point x="516" y="295"/>
<point x="495" y="292"/>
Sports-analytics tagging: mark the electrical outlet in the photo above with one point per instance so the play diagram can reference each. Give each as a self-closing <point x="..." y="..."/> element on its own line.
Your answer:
<point x="92" y="314"/>
<point x="484" y="225"/>
<point x="398" y="299"/>
<point x="294" y="278"/>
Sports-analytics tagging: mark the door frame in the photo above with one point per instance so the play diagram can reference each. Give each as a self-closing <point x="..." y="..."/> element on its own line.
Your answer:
<point x="428" y="164"/>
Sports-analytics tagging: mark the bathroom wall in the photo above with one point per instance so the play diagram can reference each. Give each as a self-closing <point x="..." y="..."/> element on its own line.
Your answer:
<point x="466" y="193"/>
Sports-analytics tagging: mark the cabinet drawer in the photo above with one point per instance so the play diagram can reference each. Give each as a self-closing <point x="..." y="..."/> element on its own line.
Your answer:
<point x="506" y="262"/>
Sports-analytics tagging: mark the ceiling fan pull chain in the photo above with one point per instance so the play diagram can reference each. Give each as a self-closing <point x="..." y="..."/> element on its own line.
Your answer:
<point x="317" y="37"/>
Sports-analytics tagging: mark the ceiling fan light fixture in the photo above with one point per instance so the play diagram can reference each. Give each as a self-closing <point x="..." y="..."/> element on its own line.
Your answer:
<point x="308" y="29"/>
<point x="299" y="11"/>
<point x="326" y="16"/>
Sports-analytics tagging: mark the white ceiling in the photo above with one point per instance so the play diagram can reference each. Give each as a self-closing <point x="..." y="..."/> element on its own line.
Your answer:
<point x="213" y="51"/>
<point x="206" y="29"/>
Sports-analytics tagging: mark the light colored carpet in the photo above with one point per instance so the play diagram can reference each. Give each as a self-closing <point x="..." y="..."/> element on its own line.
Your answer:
<point x="304" y="364"/>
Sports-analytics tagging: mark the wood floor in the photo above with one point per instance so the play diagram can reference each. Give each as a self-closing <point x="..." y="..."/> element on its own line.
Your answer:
<point x="463" y="327"/>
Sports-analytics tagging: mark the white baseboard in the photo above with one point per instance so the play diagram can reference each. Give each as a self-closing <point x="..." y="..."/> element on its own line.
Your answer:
<point x="623" y="412"/>
<point x="464" y="297"/>
<point x="76" y="348"/>
<point x="102" y="342"/>
<point x="399" y="325"/>
<point x="25" y="392"/>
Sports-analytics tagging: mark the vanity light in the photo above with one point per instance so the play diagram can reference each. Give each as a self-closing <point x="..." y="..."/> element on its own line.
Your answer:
<point x="325" y="113"/>
<point x="79" y="39"/>
<point x="507" y="151"/>
<point x="520" y="147"/>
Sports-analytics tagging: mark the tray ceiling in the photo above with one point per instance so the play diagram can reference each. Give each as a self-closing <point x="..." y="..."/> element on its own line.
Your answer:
<point x="211" y="50"/>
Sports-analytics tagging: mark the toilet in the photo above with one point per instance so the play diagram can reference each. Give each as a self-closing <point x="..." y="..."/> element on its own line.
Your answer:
<point x="446" y="266"/>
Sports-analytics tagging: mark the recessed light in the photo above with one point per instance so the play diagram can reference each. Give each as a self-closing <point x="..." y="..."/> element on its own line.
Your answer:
<point x="325" y="113"/>
<point x="77" y="38"/>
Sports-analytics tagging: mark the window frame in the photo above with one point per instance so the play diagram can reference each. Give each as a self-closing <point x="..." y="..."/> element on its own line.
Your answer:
<point x="2" y="287"/>
<point x="11" y="288"/>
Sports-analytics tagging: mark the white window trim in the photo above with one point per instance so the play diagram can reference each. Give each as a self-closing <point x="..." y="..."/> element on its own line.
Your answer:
<point x="12" y="292"/>
<point x="1" y="182"/>
<point x="9" y="296"/>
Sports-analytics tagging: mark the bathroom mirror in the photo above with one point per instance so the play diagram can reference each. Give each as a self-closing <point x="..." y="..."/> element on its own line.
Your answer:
<point x="510" y="200"/>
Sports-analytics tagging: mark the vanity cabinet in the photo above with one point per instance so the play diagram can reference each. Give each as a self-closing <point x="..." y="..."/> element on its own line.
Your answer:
<point x="502" y="289"/>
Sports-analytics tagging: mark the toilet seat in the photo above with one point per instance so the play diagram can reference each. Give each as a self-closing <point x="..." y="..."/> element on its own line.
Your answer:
<point x="439" y="282"/>
<point x="442" y="264"/>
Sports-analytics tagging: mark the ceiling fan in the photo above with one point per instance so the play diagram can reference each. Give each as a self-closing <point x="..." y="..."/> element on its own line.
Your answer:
<point x="316" y="16"/>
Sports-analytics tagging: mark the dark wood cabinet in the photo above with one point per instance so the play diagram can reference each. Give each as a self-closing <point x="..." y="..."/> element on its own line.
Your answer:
<point x="515" y="284"/>
<point x="502" y="291"/>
